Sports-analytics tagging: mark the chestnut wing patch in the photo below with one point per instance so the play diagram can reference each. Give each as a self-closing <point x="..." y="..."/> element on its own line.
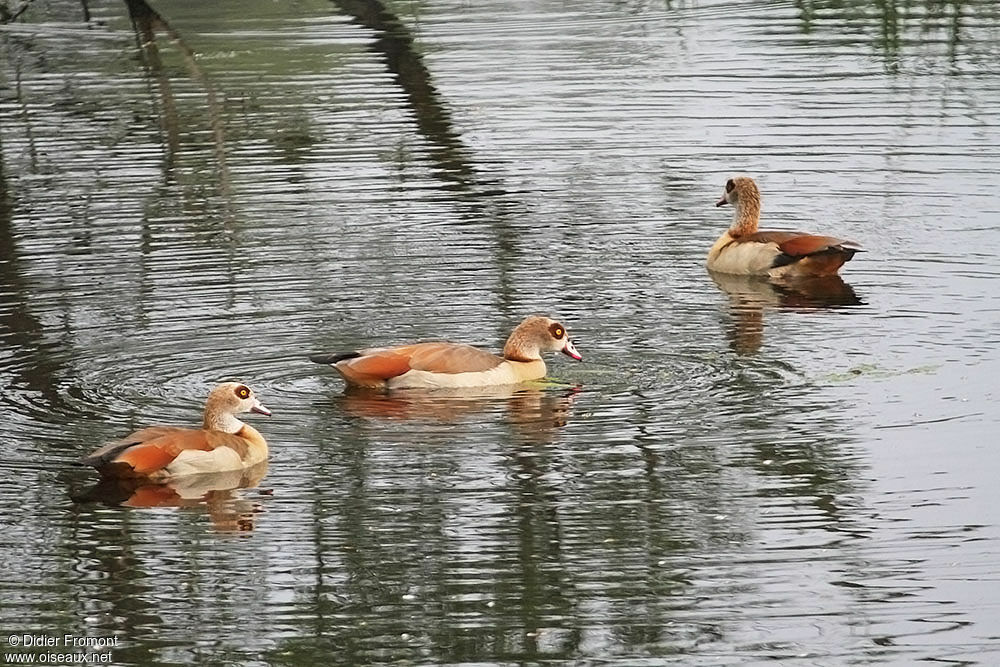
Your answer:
<point x="381" y="363"/>
<point x="109" y="452"/>
<point x="447" y="358"/>
<point x="794" y="246"/>
<point x="800" y="246"/>
<point x="159" y="446"/>
<point x="160" y="451"/>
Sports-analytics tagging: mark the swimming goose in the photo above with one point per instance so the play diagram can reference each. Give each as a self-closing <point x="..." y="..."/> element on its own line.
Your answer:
<point x="223" y="443"/>
<point x="744" y="250"/>
<point x="435" y="365"/>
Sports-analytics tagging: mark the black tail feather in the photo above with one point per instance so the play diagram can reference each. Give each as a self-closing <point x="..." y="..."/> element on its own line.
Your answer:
<point x="332" y="358"/>
<point x="105" y="454"/>
<point x="783" y="259"/>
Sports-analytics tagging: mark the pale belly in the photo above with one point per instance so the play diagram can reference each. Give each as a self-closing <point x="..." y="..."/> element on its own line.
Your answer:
<point x="506" y="373"/>
<point x="220" y="459"/>
<point x="749" y="259"/>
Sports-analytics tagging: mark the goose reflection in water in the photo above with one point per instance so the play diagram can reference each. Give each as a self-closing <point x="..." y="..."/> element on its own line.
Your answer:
<point x="214" y="493"/>
<point x="533" y="411"/>
<point x="751" y="296"/>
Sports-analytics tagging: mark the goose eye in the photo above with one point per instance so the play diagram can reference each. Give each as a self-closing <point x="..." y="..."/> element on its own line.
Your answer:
<point x="730" y="185"/>
<point x="243" y="391"/>
<point x="557" y="331"/>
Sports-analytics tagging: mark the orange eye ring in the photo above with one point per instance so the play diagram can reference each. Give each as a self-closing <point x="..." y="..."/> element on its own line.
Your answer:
<point x="243" y="391"/>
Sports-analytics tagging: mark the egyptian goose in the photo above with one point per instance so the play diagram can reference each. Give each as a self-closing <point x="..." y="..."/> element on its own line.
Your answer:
<point x="436" y="365"/>
<point x="223" y="443"/>
<point x="744" y="250"/>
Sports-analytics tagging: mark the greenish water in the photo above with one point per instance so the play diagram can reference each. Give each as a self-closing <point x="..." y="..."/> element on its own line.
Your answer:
<point x="738" y="473"/>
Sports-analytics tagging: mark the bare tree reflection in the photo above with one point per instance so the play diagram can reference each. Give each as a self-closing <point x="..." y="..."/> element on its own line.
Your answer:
<point x="395" y="44"/>
<point x="887" y="20"/>
<point x="38" y="362"/>
<point x="7" y="16"/>
<point x="147" y="23"/>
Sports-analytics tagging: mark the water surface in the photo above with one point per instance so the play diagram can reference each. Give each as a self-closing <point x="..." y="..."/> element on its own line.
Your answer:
<point x="738" y="472"/>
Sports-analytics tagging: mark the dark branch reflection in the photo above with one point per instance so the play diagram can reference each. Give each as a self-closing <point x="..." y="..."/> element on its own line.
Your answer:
<point x="37" y="362"/>
<point x="886" y="21"/>
<point x="395" y="44"/>
<point x="147" y="23"/>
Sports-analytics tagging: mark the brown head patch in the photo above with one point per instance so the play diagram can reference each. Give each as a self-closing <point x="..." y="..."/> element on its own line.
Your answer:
<point x="730" y="184"/>
<point x="557" y="330"/>
<point x="243" y="392"/>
